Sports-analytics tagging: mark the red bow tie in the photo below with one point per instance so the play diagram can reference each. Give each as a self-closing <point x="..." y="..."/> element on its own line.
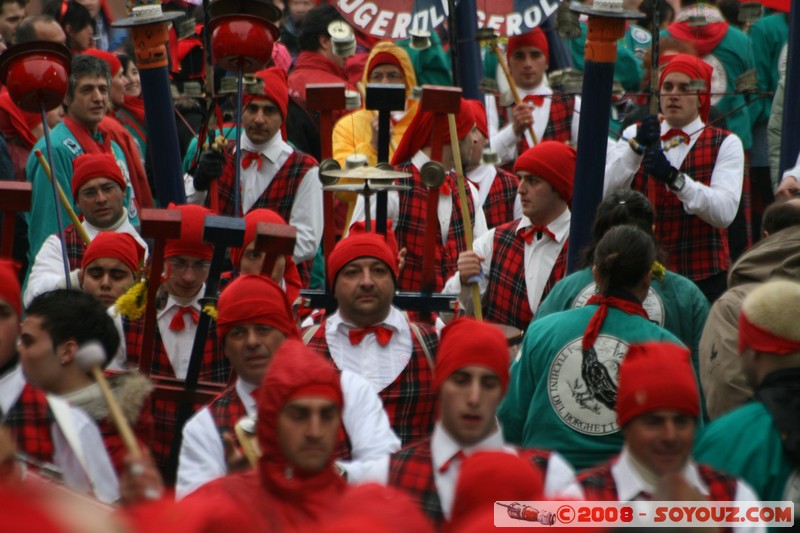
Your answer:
<point x="177" y="323"/>
<point x="382" y="334"/>
<point x="248" y="157"/>
<point x="536" y="99"/>
<point x="675" y="132"/>
<point x="446" y="188"/>
<point x="527" y="233"/>
<point x="458" y="456"/>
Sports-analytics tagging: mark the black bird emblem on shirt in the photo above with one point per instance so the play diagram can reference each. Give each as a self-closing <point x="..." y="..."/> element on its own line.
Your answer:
<point x="598" y="381"/>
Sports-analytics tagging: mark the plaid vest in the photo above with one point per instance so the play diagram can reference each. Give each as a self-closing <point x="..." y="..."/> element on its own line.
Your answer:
<point x="410" y="233"/>
<point x="559" y="123"/>
<point x="506" y="298"/>
<point x="695" y="248"/>
<point x="75" y="247"/>
<point x="499" y="205"/>
<point x="214" y="368"/>
<point x="409" y="400"/>
<point x="30" y="421"/>
<point x="411" y="469"/>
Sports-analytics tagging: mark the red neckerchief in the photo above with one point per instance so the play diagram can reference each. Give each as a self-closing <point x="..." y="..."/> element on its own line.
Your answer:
<point x="135" y="106"/>
<point x="85" y="138"/>
<point x="675" y="132"/>
<point x="705" y="38"/>
<point x="603" y="301"/>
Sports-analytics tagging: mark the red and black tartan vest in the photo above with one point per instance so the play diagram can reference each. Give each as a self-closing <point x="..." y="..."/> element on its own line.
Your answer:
<point x="215" y="368"/>
<point x="498" y="208"/>
<point x="30" y="421"/>
<point x="410" y="233"/>
<point x="506" y="298"/>
<point x="411" y="469"/>
<point x="559" y="123"/>
<point x="409" y="400"/>
<point x="75" y="247"/>
<point x="695" y="248"/>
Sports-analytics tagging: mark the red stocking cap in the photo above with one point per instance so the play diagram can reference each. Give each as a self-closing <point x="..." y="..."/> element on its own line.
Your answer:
<point x="479" y="116"/>
<point x="696" y="69"/>
<point x="535" y="37"/>
<point x="110" y="59"/>
<point x="254" y="299"/>
<point x="87" y="167"/>
<point x="467" y="342"/>
<point x="360" y="227"/>
<point x="656" y="376"/>
<point x="360" y="245"/>
<point x="190" y="243"/>
<point x="418" y="134"/>
<point x="9" y="285"/>
<point x="276" y="89"/>
<point x="111" y="244"/>
<point x="552" y="161"/>
<point x="251" y="219"/>
<point x="784" y="6"/>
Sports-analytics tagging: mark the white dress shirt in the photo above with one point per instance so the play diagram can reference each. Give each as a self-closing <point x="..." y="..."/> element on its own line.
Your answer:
<point x="379" y="365"/>
<point x="202" y="456"/>
<point x="483" y="177"/>
<point x="559" y="476"/>
<point x="445" y="210"/>
<point x="47" y="272"/>
<point x="306" y="214"/>
<point x="715" y="204"/>
<point x="540" y="257"/>
<point x="504" y="142"/>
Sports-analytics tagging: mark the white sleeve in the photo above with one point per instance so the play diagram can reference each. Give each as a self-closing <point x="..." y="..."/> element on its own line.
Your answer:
<point x="576" y="120"/>
<point x="717" y="204"/>
<point x="744" y="493"/>
<point x="560" y="478"/>
<point x="307" y="216"/>
<point x="505" y="144"/>
<point x="375" y="471"/>
<point x="47" y="273"/>
<point x="622" y="163"/>
<point x="392" y="209"/>
<point x="480" y="227"/>
<point x="483" y="246"/>
<point x="202" y="457"/>
<point x="120" y="360"/>
<point x="366" y="424"/>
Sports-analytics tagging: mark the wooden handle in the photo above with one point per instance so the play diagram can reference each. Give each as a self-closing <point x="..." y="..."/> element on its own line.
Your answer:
<point x="64" y="200"/>
<point x="512" y="86"/>
<point x="462" y="195"/>
<point x="117" y="417"/>
<point x="249" y="445"/>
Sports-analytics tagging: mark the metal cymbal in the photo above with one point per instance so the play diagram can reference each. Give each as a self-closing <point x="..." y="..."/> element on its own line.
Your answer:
<point x="359" y="188"/>
<point x="366" y="173"/>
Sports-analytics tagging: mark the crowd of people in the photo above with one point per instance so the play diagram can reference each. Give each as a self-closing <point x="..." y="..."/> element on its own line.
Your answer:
<point x="665" y="367"/>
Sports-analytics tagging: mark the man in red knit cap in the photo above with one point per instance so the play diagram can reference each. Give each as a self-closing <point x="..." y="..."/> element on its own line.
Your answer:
<point x="371" y="337"/>
<point x="98" y="190"/>
<point x="112" y="263"/>
<point x="549" y="115"/>
<point x="693" y="171"/>
<point x="517" y="263"/>
<point x="407" y="209"/>
<point x="657" y="408"/>
<point x="470" y="379"/>
<point x="253" y="321"/>
<point x="273" y="175"/>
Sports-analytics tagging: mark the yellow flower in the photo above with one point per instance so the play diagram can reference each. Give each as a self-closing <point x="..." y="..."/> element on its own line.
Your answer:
<point x="210" y="310"/>
<point x="657" y="270"/>
<point x="132" y="304"/>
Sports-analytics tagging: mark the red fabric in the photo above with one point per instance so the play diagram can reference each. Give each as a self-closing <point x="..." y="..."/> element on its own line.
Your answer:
<point x="75" y="247"/>
<point x="110" y="59"/>
<point x="420" y="131"/>
<point x="14" y="122"/>
<point x="183" y="48"/>
<point x="656" y="376"/>
<point x="360" y="245"/>
<point x="190" y="243"/>
<point x="135" y="106"/>
<point x="383" y="58"/>
<point x="276" y="89"/>
<point x="603" y="302"/>
<point x="87" y="167"/>
<point x="361" y="227"/>
<point x="28" y="509"/>
<point x="479" y="115"/>
<point x="312" y="67"/>
<point x="382" y="334"/>
<point x="178" y="323"/>
<point x="467" y="342"/>
<point x="30" y="422"/>
<point x="458" y="456"/>
<point x="763" y="340"/>
<point x="248" y="158"/>
<point x="411" y="469"/>
<point x="9" y="285"/>
<point x="784" y="6"/>
<point x="552" y="161"/>
<point x="696" y="69"/>
<point x="498" y="208"/>
<point x="704" y="38"/>
<point x="536" y="99"/>
<point x="254" y="299"/>
<point x="528" y="233"/>
<point x="298" y="496"/>
<point x="559" y="123"/>
<point x="124" y="139"/>
<point x="675" y="132"/>
<point x="115" y="245"/>
<point x="85" y="140"/>
<point x="535" y="37"/>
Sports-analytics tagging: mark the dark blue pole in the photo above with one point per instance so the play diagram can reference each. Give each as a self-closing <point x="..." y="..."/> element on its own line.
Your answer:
<point x="790" y="141"/>
<point x="559" y="55"/>
<point x="469" y="50"/>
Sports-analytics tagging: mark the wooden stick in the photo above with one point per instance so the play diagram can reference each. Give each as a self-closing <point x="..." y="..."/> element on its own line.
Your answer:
<point x="64" y="200"/>
<point x="462" y="195"/>
<point x="512" y="86"/>
<point x="117" y="416"/>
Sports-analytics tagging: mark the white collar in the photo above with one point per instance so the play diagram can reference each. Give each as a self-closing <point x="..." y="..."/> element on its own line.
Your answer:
<point x="419" y="159"/>
<point x="693" y="129"/>
<point x="245" y="390"/>
<point x="630" y="484"/>
<point x="271" y="149"/>
<point x="482" y="173"/>
<point x="559" y="226"/>
<point x="173" y="301"/>
<point x="394" y="320"/>
<point x="444" y="447"/>
<point x="542" y="89"/>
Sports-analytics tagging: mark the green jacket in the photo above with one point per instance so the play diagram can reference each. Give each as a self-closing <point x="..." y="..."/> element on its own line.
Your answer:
<point x="768" y="36"/>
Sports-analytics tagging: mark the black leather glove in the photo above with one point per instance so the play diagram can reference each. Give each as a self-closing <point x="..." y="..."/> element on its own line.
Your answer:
<point x="656" y="164"/>
<point x="208" y="168"/>
<point x="648" y="133"/>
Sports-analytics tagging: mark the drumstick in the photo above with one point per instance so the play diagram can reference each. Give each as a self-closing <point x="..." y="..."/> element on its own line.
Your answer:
<point x="512" y="85"/>
<point x="64" y="200"/>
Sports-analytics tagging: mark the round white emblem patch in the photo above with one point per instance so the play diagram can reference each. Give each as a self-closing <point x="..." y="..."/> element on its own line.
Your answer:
<point x="652" y="304"/>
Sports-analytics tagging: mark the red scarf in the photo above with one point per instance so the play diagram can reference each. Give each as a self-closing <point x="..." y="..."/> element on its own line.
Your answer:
<point x="85" y="138"/>
<point x="135" y="106"/>
<point x="603" y="301"/>
<point x="705" y="38"/>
